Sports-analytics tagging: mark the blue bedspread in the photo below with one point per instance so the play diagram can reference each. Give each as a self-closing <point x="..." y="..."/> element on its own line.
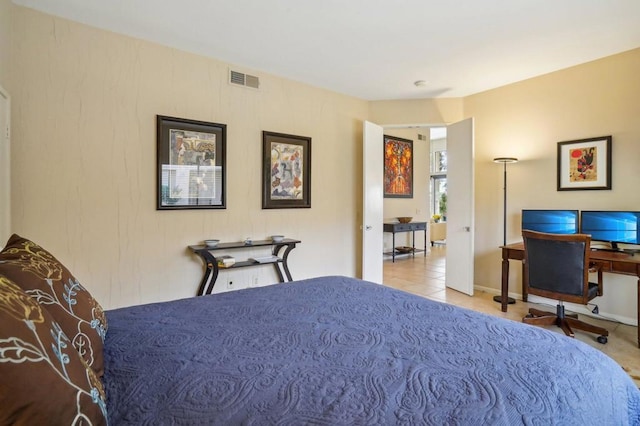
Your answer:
<point x="340" y="351"/>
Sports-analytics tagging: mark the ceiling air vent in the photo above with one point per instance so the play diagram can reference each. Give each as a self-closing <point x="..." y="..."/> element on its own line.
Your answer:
<point x="242" y="79"/>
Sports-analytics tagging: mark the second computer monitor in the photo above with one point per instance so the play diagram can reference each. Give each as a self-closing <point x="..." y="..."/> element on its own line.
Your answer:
<point x="550" y="221"/>
<point x="611" y="226"/>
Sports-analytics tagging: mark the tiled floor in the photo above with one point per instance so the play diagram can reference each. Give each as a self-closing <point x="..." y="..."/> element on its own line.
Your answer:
<point x="425" y="276"/>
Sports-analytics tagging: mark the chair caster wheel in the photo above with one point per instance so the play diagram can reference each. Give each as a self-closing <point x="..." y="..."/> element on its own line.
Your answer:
<point x="602" y="339"/>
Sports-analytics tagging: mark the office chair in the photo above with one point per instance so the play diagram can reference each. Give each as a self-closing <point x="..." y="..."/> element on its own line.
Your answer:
<point x="556" y="266"/>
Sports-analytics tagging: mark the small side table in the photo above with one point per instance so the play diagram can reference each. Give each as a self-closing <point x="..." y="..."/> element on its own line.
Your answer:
<point x="279" y="249"/>
<point x="406" y="227"/>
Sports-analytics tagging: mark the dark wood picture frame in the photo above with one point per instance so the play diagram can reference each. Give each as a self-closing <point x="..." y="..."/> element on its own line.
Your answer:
<point x="584" y="164"/>
<point x="191" y="171"/>
<point x="286" y="171"/>
<point x="398" y="167"/>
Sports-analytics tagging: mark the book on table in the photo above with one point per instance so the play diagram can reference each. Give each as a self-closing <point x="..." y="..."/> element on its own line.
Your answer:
<point x="225" y="261"/>
<point x="265" y="259"/>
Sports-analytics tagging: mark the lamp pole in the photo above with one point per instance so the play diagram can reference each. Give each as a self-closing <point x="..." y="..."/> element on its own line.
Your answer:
<point x="504" y="161"/>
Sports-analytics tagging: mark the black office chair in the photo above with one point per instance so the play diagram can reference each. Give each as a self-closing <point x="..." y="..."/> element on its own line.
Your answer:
<point x="557" y="267"/>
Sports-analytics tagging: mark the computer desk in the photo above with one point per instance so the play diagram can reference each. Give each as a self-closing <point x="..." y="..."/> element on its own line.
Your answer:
<point x="612" y="262"/>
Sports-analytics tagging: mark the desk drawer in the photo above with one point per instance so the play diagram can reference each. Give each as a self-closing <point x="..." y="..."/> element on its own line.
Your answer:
<point x="625" y="268"/>
<point x="404" y="227"/>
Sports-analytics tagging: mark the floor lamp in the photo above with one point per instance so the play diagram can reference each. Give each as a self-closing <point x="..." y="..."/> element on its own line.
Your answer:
<point x="504" y="161"/>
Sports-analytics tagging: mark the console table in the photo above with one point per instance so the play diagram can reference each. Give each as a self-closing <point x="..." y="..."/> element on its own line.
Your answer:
<point x="412" y="227"/>
<point x="279" y="249"/>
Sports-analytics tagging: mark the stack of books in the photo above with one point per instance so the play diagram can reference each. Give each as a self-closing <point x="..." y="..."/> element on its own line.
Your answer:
<point x="225" y="261"/>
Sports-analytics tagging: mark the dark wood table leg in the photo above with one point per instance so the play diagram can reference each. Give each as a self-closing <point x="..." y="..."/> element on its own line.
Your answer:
<point x="210" y="273"/>
<point x="525" y="295"/>
<point x="425" y="241"/>
<point x="413" y="243"/>
<point x="393" y="247"/>
<point x="505" y="281"/>
<point x="284" y="257"/>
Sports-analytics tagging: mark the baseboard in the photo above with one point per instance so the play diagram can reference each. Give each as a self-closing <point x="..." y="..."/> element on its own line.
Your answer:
<point x="578" y="309"/>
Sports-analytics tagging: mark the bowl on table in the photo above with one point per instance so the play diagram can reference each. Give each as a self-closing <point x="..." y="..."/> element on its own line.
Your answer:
<point x="211" y="243"/>
<point x="405" y="219"/>
<point x="277" y="238"/>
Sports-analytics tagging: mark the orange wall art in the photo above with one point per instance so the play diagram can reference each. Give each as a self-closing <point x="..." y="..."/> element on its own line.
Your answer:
<point x="398" y="167"/>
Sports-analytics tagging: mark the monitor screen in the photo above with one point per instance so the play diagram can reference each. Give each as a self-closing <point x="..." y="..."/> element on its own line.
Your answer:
<point x="611" y="226"/>
<point x="550" y="221"/>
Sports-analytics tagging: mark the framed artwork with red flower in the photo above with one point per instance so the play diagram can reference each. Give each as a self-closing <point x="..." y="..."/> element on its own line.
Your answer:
<point x="398" y="167"/>
<point x="584" y="164"/>
<point x="286" y="171"/>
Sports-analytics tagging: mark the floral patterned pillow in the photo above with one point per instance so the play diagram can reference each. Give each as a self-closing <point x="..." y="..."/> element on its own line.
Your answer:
<point x="48" y="282"/>
<point x="43" y="380"/>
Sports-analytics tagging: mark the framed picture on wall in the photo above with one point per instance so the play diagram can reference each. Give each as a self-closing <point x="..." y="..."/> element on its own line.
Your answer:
<point x="286" y="171"/>
<point x="191" y="164"/>
<point x="584" y="164"/>
<point x="398" y="167"/>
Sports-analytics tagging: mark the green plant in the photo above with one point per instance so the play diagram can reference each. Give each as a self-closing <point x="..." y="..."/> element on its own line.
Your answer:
<point x="443" y="204"/>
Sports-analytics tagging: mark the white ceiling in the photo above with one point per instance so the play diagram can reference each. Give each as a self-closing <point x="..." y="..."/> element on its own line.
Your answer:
<point x="377" y="49"/>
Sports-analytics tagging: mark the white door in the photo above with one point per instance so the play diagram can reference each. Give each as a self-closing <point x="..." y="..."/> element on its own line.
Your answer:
<point x="460" y="206"/>
<point x="5" y="184"/>
<point x="373" y="202"/>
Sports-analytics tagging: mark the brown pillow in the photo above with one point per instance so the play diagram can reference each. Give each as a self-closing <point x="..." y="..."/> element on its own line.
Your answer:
<point x="43" y="380"/>
<point x="47" y="281"/>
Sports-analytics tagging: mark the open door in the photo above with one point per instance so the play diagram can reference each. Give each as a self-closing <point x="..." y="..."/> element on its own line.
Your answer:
<point x="372" y="203"/>
<point x="460" y="206"/>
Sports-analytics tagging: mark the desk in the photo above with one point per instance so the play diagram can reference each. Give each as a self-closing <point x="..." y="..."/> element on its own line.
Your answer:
<point x="613" y="262"/>
<point x="406" y="227"/>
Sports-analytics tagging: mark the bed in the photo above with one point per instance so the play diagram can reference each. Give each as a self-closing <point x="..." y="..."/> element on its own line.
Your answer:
<point x="322" y="351"/>
<point x="341" y="351"/>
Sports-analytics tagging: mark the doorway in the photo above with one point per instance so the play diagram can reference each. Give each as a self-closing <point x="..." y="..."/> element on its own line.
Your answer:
<point x="460" y="210"/>
<point x="427" y="205"/>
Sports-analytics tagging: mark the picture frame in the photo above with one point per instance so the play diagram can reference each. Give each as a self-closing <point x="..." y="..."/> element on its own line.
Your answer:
<point x="585" y="164"/>
<point x="286" y="171"/>
<point x="191" y="169"/>
<point x="398" y="167"/>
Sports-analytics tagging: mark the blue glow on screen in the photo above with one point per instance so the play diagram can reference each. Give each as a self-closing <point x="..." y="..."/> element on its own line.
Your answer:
<point x="551" y="221"/>
<point x="614" y="226"/>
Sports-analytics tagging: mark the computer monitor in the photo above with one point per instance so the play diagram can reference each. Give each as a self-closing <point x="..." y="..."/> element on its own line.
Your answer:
<point x="550" y="221"/>
<point x="611" y="226"/>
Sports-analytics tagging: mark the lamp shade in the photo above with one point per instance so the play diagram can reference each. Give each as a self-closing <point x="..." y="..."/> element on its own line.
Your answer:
<point x="505" y="160"/>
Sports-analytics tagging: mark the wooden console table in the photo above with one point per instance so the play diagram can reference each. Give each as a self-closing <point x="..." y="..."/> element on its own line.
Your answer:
<point x="279" y="249"/>
<point x="406" y="227"/>
<point x="612" y="262"/>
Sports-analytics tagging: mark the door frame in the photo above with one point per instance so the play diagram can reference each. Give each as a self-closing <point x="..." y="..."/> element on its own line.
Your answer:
<point x="380" y="198"/>
<point x="5" y="167"/>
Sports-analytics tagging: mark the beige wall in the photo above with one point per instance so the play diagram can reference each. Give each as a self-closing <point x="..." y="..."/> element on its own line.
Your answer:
<point x="5" y="53"/>
<point x="416" y="111"/>
<point x="5" y="41"/>
<point x="526" y="120"/>
<point x="397" y="113"/>
<point x="84" y="161"/>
